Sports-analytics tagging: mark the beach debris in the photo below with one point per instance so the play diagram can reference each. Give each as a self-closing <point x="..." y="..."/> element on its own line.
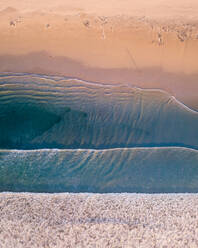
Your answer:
<point x="12" y="23"/>
<point x="15" y="21"/>
<point x="86" y="23"/>
<point x="182" y="36"/>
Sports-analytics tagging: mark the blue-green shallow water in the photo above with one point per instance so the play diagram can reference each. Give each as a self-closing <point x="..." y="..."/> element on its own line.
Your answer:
<point x="38" y="112"/>
<point x="57" y="135"/>
<point x="149" y="170"/>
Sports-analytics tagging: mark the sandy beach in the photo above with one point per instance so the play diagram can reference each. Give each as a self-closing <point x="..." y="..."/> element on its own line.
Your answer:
<point x="148" y="45"/>
<point x="98" y="220"/>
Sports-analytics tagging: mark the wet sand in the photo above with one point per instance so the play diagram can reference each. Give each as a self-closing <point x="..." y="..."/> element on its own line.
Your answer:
<point x="151" y="45"/>
<point x="98" y="220"/>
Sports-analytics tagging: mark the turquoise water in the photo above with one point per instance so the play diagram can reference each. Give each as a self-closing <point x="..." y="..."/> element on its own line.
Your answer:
<point x="57" y="135"/>
<point x="148" y="170"/>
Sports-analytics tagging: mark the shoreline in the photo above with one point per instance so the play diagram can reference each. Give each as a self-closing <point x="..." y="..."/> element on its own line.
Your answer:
<point x="189" y="104"/>
<point x="143" y="45"/>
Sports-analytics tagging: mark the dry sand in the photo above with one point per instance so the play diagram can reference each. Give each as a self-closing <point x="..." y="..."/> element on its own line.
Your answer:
<point x="149" y="44"/>
<point x="97" y="220"/>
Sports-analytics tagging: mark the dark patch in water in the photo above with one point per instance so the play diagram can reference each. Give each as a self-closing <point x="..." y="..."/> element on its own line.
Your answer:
<point x="22" y="122"/>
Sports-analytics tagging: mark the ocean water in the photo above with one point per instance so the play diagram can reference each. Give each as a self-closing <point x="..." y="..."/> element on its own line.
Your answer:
<point x="60" y="134"/>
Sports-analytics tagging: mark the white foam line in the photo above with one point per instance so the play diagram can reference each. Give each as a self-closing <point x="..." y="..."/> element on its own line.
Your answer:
<point x="184" y="106"/>
<point x="100" y="150"/>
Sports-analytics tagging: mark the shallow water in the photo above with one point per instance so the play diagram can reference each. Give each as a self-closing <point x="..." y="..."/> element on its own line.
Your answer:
<point x="149" y="170"/>
<point x="57" y="134"/>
